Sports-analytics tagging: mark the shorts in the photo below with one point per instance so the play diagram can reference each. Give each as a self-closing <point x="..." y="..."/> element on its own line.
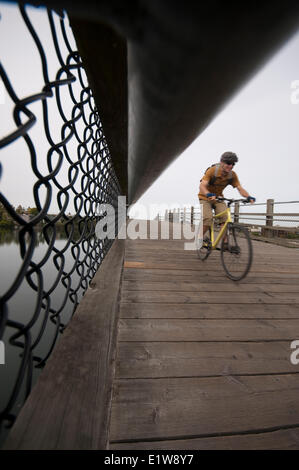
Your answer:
<point x="207" y="209"/>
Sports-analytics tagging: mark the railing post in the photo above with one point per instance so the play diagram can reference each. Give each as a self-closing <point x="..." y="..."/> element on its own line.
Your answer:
<point x="269" y="216"/>
<point x="236" y="212"/>
<point x="192" y="215"/>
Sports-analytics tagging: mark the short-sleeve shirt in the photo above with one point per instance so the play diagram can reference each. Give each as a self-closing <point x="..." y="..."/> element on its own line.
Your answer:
<point x="220" y="182"/>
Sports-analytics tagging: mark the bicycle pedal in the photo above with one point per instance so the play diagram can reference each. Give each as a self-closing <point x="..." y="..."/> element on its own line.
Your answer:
<point x="206" y="243"/>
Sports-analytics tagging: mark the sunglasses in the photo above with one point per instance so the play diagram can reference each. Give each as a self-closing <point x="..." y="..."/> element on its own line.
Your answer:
<point x="229" y="163"/>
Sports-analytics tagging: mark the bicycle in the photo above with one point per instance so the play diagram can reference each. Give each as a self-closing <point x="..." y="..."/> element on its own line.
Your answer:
<point x="236" y="251"/>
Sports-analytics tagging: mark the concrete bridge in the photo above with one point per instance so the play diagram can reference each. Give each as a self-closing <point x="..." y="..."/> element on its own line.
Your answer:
<point x="165" y="352"/>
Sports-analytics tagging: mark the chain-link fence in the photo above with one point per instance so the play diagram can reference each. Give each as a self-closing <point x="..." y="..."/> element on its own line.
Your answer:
<point x="56" y="173"/>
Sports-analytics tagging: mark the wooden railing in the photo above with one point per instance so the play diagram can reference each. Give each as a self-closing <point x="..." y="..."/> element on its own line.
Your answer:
<point x="268" y="223"/>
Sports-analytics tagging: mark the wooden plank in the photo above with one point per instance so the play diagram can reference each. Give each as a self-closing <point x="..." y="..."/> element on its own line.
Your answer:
<point x="199" y="286"/>
<point x="207" y="330"/>
<point x="209" y="264"/>
<point x="211" y="310"/>
<point x="196" y="274"/>
<point x="186" y="255"/>
<point x="198" y="359"/>
<point x="169" y="253"/>
<point x="133" y="264"/>
<point x="194" y="265"/>
<point x="178" y="246"/>
<point x="154" y="275"/>
<point x="203" y="407"/>
<point x="286" y="439"/>
<point x="69" y="406"/>
<point x="215" y="297"/>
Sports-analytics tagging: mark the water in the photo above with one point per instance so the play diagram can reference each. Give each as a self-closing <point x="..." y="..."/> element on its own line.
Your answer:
<point x="22" y="305"/>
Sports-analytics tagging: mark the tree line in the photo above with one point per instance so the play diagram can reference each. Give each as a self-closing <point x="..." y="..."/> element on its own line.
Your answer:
<point x="6" y="221"/>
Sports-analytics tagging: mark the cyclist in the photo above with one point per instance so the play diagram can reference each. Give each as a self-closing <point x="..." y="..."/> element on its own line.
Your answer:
<point x="212" y="184"/>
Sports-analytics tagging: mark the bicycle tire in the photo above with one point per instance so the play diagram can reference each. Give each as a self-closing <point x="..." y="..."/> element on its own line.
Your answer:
<point x="237" y="257"/>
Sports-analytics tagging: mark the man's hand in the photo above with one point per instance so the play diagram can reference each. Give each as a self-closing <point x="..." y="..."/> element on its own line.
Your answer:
<point x="211" y="196"/>
<point x="251" y="199"/>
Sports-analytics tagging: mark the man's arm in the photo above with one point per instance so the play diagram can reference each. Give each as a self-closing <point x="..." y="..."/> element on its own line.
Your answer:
<point x="244" y="193"/>
<point x="203" y="189"/>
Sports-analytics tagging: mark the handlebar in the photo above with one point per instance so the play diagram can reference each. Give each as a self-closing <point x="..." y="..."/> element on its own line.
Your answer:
<point x="230" y="201"/>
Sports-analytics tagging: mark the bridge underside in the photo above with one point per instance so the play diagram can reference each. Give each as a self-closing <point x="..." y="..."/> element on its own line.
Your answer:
<point x="161" y="70"/>
<point x="185" y="60"/>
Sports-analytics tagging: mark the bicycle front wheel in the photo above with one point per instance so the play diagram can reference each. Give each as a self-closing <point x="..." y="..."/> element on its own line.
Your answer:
<point x="236" y="254"/>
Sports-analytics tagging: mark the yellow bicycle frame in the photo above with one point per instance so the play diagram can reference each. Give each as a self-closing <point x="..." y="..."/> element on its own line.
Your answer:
<point x="214" y="242"/>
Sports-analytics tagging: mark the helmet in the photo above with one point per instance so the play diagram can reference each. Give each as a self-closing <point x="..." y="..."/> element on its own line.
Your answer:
<point x="229" y="157"/>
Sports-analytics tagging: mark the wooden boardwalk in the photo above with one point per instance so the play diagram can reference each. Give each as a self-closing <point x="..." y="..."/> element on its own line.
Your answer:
<point x="165" y="352"/>
<point x="204" y="362"/>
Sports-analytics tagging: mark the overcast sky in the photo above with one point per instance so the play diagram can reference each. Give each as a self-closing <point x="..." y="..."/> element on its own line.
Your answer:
<point x="261" y="124"/>
<point x="22" y="64"/>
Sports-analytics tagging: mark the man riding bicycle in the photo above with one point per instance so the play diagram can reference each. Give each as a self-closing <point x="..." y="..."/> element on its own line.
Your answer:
<point x="212" y="184"/>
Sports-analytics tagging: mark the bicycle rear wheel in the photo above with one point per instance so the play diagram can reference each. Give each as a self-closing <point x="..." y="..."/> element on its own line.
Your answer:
<point x="236" y="257"/>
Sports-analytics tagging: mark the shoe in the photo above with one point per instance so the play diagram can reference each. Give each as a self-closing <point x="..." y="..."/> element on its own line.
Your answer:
<point x="206" y="242"/>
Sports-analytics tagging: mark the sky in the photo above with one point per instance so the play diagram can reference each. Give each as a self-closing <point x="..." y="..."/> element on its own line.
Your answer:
<point x="260" y="124"/>
<point x="22" y="64"/>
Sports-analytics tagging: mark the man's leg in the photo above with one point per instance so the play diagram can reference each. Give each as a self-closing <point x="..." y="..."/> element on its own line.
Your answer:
<point x="207" y="216"/>
<point x="221" y="207"/>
